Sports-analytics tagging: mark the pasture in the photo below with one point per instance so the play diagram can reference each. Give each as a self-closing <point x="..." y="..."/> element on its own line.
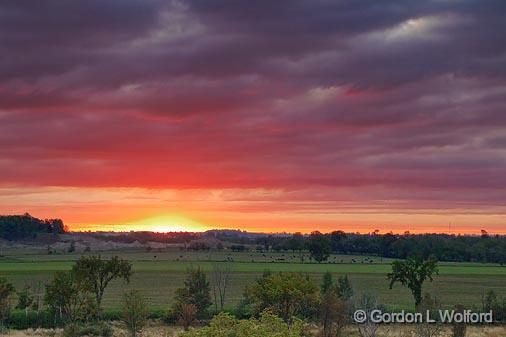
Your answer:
<point x="158" y="273"/>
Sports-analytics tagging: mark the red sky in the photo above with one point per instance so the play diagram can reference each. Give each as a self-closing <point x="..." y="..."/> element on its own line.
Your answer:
<point x="272" y="116"/>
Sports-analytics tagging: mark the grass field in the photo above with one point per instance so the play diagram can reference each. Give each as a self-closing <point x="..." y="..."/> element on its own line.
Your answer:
<point x="158" y="274"/>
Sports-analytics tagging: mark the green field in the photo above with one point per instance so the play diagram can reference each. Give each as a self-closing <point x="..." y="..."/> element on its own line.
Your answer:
<point x="158" y="274"/>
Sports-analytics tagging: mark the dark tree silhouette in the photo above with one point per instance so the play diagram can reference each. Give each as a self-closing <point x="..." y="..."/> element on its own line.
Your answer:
<point x="412" y="273"/>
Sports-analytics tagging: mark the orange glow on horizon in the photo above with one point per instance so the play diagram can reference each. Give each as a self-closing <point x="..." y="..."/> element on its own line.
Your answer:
<point x="254" y="210"/>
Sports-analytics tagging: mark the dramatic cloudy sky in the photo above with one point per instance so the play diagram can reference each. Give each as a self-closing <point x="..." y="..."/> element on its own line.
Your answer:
<point x="261" y="115"/>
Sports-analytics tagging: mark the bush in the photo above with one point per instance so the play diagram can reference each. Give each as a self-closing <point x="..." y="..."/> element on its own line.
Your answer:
<point x="459" y="329"/>
<point x="187" y="315"/>
<point x="285" y="294"/>
<point x="100" y="329"/>
<point x="71" y="330"/>
<point x="18" y="319"/>
<point x="196" y="291"/>
<point x="135" y="312"/>
<point x="269" y="325"/>
<point x="6" y="291"/>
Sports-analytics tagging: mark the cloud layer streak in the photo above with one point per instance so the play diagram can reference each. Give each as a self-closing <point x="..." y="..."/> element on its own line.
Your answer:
<point x="363" y="105"/>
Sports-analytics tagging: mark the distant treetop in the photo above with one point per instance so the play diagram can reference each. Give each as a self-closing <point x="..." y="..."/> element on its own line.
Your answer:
<point x="17" y="227"/>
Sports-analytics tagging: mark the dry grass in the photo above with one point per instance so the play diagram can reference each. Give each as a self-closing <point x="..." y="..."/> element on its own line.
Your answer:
<point x="159" y="330"/>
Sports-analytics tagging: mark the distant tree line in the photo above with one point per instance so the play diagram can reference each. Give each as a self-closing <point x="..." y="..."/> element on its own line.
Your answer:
<point x="445" y="247"/>
<point x="146" y="236"/>
<point x="18" y="227"/>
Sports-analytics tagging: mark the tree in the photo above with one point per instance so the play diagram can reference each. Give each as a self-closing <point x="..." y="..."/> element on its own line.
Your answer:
<point x="296" y="242"/>
<point x="412" y="273"/>
<point x="333" y="312"/>
<point x="196" y="291"/>
<point x="134" y="312"/>
<point x="67" y="299"/>
<point x="319" y="246"/>
<point x="95" y="274"/>
<point x="25" y="300"/>
<point x="337" y="239"/>
<point x="6" y="291"/>
<point x="327" y="282"/>
<point x="220" y="279"/>
<point x="285" y="294"/>
<point x="345" y="288"/>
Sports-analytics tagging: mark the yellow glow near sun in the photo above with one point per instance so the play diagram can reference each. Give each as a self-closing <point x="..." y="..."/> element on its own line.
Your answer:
<point x="167" y="223"/>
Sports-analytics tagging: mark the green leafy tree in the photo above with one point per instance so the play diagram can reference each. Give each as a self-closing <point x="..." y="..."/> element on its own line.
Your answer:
<point x="67" y="299"/>
<point x="284" y="294"/>
<point x="319" y="246"/>
<point x="134" y="312"/>
<point x="95" y="274"/>
<point x="412" y="273"/>
<point x="6" y="292"/>
<point x="196" y="291"/>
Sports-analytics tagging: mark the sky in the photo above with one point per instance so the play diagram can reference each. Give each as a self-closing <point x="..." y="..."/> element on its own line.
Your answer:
<point x="259" y="115"/>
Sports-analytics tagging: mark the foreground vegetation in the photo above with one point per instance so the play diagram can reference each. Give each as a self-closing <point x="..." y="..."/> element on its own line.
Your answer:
<point x="158" y="273"/>
<point x="276" y="303"/>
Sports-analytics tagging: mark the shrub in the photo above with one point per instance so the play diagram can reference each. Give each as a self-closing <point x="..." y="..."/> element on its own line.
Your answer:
<point x="196" y="291"/>
<point x="269" y="325"/>
<point x="285" y="294"/>
<point x="68" y="300"/>
<point x="135" y="312"/>
<point x="6" y="291"/>
<point x="101" y="329"/>
<point x="425" y="329"/>
<point x="18" y="319"/>
<point x="333" y="313"/>
<point x="459" y="329"/>
<point x="187" y="315"/>
<point x="367" y="303"/>
<point x="71" y="330"/>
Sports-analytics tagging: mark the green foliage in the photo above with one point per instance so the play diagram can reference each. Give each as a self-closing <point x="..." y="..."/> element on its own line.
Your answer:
<point x="18" y="319"/>
<point x="319" y="246"/>
<point x="67" y="299"/>
<point x="412" y="273"/>
<point x="327" y="282"/>
<point x="269" y="325"/>
<point x="345" y="288"/>
<point x="135" y="312"/>
<point x="16" y="227"/>
<point x="196" y="291"/>
<point x="99" y="329"/>
<point x="285" y="294"/>
<point x="95" y="274"/>
<point x="333" y="312"/>
<point x="491" y="302"/>
<point x="6" y="291"/>
<point x="25" y="299"/>
<point x="71" y="330"/>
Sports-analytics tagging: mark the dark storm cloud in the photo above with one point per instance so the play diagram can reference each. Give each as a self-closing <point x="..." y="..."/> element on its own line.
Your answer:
<point x="285" y="94"/>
